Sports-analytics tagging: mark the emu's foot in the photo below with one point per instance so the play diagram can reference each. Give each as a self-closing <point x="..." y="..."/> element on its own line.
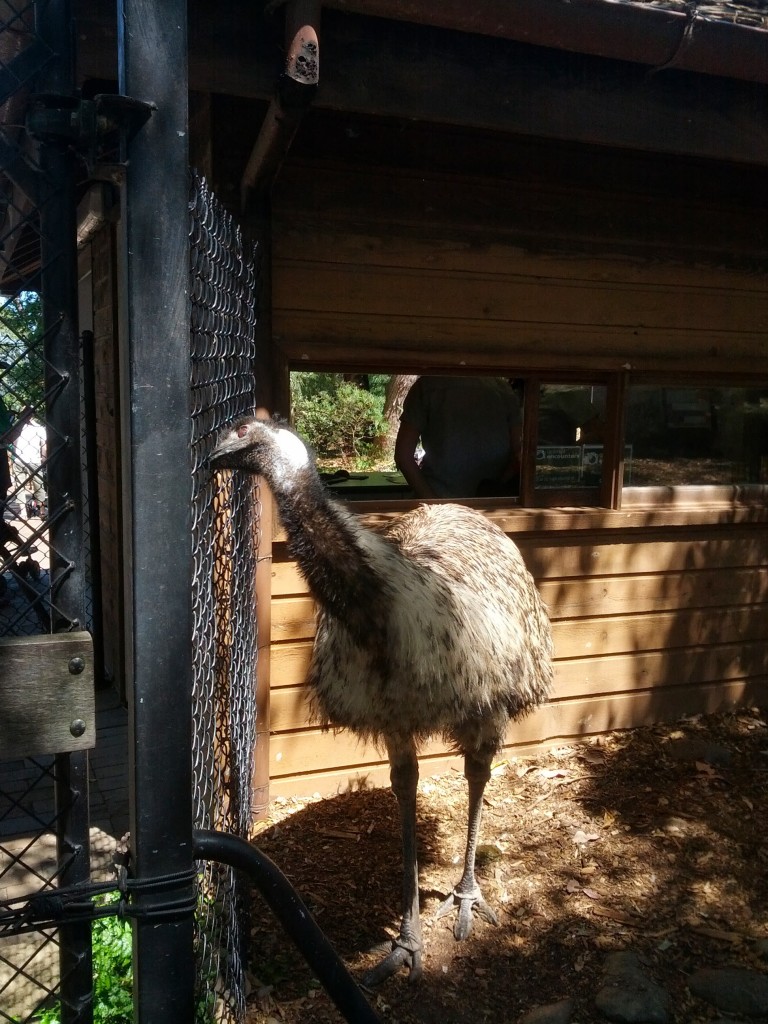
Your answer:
<point x="466" y="902"/>
<point x="405" y="953"/>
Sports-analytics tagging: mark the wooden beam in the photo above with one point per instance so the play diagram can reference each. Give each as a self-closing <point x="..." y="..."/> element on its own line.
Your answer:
<point x="660" y="37"/>
<point x="295" y="90"/>
<point x="401" y="70"/>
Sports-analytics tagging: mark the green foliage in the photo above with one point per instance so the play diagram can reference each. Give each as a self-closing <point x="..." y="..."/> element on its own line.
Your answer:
<point x="339" y="419"/>
<point x="21" y="351"/>
<point x="112" y="944"/>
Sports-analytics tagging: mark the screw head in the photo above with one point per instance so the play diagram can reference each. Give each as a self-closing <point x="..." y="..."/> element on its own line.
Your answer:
<point x="76" y="666"/>
<point x="77" y="728"/>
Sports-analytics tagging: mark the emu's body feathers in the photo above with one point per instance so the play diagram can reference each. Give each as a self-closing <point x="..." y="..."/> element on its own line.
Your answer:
<point x="458" y="640"/>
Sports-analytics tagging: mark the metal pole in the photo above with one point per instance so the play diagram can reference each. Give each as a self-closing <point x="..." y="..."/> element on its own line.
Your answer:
<point x="293" y="915"/>
<point x="152" y="52"/>
<point x="58" y="233"/>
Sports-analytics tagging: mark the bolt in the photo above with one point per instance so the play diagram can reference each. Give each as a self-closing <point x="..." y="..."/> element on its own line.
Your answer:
<point x="78" y="727"/>
<point x="76" y="666"/>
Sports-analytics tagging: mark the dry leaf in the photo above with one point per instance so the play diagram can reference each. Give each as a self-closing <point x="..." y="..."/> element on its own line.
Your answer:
<point x="581" y="838"/>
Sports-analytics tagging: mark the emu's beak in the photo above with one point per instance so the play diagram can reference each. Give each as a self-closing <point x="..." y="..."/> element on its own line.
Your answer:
<point x="227" y="448"/>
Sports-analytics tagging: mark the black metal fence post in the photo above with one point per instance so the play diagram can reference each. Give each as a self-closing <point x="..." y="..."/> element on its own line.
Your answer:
<point x="152" y="65"/>
<point x="58" y="230"/>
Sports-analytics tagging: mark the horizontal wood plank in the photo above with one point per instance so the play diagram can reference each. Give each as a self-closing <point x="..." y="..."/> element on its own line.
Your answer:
<point x="329" y="288"/>
<point x="445" y="247"/>
<point x="47" y="703"/>
<point x="293" y="615"/>
<point x="293" y="619"/>
<point x="303" y="754"/>
<point x="595" y="637"/>
<point x="412" y="344"/>
<point x="562" y="557"/>
<point x="578" y="678"/>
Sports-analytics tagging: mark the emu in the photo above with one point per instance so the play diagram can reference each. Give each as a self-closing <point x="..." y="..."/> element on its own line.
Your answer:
<point x="431" y="626"/>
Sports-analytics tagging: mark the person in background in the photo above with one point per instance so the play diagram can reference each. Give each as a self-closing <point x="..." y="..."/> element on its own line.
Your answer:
<point x="9" y="433"/>
<point x="470" y="431"/>
<point x="28" y="461"/>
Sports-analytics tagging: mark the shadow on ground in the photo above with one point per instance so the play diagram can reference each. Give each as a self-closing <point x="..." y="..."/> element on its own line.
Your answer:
<point x="653" y="840"/>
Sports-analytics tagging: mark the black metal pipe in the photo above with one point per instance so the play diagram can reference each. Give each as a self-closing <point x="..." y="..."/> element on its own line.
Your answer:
<point x="288" y="907"/>
<point x="73" y="853"/>
<point x="58" y="247"/>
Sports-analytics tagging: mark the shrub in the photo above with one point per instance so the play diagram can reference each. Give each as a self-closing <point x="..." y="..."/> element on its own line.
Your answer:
<point x="112" y="945"/>
<point x="343" y="423"/>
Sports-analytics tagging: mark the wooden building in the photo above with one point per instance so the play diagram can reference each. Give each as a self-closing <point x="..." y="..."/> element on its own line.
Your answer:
<point x="568" y="193"/>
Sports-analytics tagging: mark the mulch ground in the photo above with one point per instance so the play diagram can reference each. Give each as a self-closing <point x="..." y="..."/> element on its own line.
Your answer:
<point x="653" y="840"/>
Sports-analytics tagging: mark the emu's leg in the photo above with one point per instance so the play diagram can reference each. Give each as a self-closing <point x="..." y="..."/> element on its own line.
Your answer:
<point x="406" y="949"/>
<point x="467" y="895"/>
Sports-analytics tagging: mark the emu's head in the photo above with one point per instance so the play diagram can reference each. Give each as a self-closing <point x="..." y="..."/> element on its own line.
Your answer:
<point x="265" y="446"/>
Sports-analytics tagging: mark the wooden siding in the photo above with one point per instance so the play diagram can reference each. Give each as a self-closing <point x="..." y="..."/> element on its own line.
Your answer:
<point x="395" y="269"/>
<point x="107" y="381"/>
<point x="649" y="625"/>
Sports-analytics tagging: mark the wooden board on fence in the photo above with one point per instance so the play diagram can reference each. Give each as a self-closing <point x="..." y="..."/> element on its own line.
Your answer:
<point x="47" y="703"/>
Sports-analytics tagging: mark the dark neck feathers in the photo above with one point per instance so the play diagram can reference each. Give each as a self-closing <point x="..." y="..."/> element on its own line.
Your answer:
<point x="328" y="545"/>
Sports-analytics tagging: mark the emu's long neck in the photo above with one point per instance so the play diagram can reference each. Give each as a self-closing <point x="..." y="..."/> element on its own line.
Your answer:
<point x="335" y="555"/>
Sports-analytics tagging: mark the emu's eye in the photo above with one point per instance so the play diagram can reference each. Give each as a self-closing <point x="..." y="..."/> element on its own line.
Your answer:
<point x="242" y="431"/>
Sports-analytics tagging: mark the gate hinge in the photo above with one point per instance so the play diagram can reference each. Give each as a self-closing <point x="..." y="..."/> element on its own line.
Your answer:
<point x="82" y="123"/>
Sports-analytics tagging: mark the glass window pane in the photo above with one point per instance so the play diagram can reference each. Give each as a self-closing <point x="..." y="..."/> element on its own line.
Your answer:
<point x="696" y="436"/>
<point x="569" y="441"/>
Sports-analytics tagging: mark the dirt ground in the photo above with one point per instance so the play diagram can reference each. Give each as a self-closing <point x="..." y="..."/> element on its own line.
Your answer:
<point x="653" y="840"/>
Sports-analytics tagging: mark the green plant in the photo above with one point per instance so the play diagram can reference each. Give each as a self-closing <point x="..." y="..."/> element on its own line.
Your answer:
<point x="112" y="945"/>
<point x="339" y="419"/>
<point x="21" y="355"/>
<point x="112" y="972"/>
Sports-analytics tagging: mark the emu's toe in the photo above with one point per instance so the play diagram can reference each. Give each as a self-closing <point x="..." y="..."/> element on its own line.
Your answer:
<point x="401" y="956"/>
<point x="466" y="903"/>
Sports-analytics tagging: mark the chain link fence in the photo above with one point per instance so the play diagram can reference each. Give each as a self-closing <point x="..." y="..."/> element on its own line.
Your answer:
<point x="39" y="389"/>
<point x="35" y="856"/>
<point x="225" y="538"/>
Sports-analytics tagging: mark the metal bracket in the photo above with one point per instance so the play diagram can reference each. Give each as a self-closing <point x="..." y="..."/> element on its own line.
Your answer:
<point x="82" y="123"/>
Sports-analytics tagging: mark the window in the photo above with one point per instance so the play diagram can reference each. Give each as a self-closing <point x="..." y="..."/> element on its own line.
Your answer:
<point x="569" y="436"/>
<point x="697" y="436"/>
<point x="595" y="440"/>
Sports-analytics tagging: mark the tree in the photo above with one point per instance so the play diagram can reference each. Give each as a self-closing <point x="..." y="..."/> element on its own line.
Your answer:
<point x="397" y="388"/>
<point x="21" y="350"/>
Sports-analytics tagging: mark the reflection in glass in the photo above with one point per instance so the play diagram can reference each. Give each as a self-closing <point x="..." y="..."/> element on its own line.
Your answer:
<point x="697" y="436"/>
<point x="569" y="441"/>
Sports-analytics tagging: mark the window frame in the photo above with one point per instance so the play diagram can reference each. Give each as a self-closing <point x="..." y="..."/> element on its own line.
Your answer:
<point x="612" y="494"/>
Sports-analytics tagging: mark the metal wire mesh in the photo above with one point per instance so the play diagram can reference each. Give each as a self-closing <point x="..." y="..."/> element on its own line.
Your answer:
<point x="226" y="518"/>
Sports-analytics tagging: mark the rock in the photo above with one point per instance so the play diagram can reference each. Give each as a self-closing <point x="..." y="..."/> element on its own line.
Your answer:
<point x="555" y="1013"/>
<point x="695" y="749"/>
<point x="628" y="996"/>
<point x="761" y="948"/>
<point x="732" y="989"/>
